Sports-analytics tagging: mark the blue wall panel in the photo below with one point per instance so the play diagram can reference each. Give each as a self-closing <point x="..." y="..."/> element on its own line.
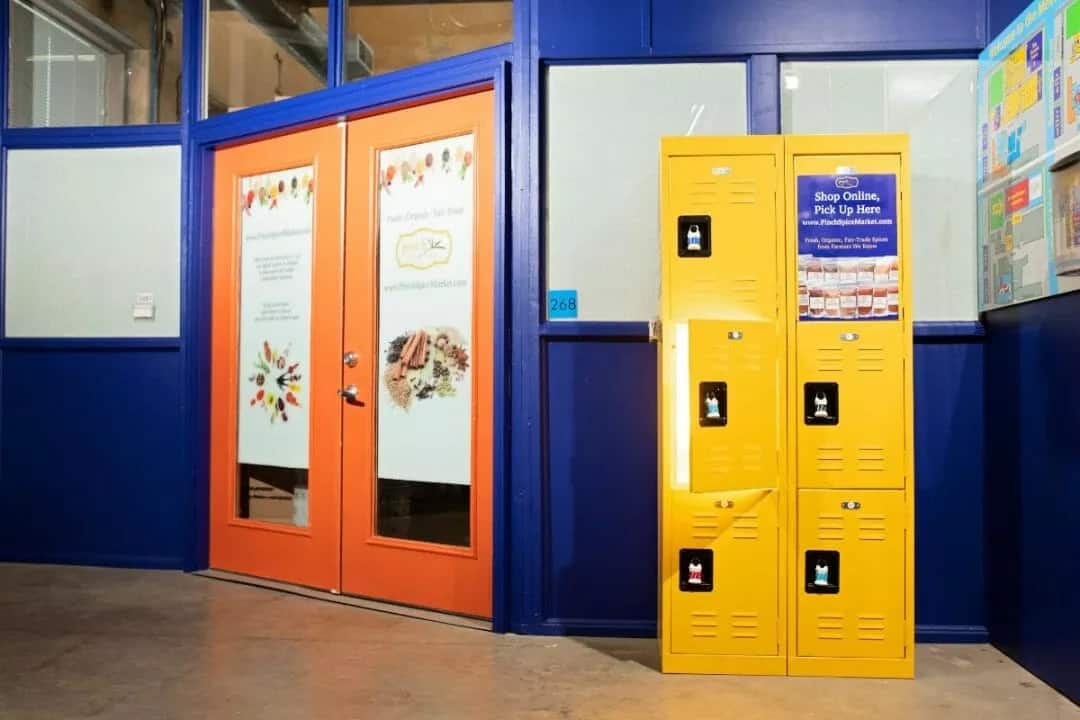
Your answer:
<point x="949" y="600"/>
<point x="1001" y="13"/>
<point x="1033" y="486"/>
<point x="90" y="471"/>
<point x="679" y="28"/>
<point x="601" y="488"/>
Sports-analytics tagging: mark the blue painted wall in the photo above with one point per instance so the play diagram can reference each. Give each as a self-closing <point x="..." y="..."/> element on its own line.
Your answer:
<point x="680" y="28"/>
<point x="600" y="488"/>
<point x="91" y="468"/>
<point x="1033" y="486"/>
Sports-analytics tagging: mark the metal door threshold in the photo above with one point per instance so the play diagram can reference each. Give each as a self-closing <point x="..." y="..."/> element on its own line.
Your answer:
<point x="353" y="601"/>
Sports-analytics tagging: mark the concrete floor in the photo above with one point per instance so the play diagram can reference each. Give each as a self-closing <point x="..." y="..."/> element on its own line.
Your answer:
<point x="85" y="642"/>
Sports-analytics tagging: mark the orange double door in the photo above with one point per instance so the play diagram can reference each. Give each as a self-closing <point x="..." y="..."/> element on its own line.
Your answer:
<point x="351" y="357"/>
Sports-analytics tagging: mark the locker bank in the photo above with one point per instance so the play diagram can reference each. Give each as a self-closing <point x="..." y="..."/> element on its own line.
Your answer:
<point x="747" y="328"/>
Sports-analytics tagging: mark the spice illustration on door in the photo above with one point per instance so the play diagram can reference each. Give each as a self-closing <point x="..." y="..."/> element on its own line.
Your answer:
<point x="417" y="454"/>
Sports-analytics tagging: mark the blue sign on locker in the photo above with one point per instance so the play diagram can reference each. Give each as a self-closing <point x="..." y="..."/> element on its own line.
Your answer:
<point x="848" y="262"/>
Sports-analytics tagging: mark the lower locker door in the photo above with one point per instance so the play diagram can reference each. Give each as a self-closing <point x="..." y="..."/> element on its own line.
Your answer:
<point x="737" y="615"/>
<point x="850" y="570"/>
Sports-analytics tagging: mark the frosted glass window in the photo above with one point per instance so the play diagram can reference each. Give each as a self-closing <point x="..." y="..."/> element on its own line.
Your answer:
<point x="601" y="189"/>
<point x="934" y="102"/>
<point x="93" y="241"/>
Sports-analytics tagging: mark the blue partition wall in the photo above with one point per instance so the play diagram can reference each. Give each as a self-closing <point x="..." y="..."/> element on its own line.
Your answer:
<point x="579" y="553"/>
<point x="1033" y="486"/>
<point x="585" y="485"/>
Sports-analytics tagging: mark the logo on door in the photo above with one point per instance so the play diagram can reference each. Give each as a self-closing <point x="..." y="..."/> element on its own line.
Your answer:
<point x="423" y="248"/>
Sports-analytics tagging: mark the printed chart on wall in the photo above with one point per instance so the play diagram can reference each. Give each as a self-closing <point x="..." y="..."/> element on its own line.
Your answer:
<point x="426" y="238"/>
<point x="275" y="317"/>
<point x="1028" y="118"/>
<point x="848" y="263"/>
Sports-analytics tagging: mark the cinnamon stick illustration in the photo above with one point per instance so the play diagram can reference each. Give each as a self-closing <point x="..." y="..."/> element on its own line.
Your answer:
<point x="406" y="353"/>
<point x="420" y="351"/>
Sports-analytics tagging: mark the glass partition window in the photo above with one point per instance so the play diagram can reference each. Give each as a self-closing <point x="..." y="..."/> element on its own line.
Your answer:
<point x="93" y="62"/>
<point x="603" y="130"/>
<point x="382" y="36"/>
<point x="259" y="52"/>
<point x="933" y="101"/>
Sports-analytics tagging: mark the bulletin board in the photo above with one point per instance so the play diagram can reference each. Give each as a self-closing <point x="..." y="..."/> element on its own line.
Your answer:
<point x="1028" y="118"/>
<point x="92" y="243"/>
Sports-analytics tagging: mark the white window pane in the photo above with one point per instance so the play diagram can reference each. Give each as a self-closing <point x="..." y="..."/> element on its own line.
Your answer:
<point x="106" y="229"/>
<point x="602" y="145"/>
<point x="934" y="102"/>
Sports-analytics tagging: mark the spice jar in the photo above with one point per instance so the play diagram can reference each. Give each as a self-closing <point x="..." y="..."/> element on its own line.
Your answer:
<point x="804" y="300"/>
<point x="814" y="274"/>
<point x="881" y="298"/>
<point x="848" y="303"/>
<point x="866" y="271"/>
<point x="894" y="270"/>
<point x="881" y="271"/>
<point x="832" y="302"/>
<point x="892" y="299"/>
<point x="849" y="271"/>
<point x="817" y="302"/>
<point x="803" y="260"/>
<point x="831" y="269"/>
<point x="865" y="296"/>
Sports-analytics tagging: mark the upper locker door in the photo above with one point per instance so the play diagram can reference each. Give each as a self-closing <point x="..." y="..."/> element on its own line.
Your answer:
<point x="850" y="335"/>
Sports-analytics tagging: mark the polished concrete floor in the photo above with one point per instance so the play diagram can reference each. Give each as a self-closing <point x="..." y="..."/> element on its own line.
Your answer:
<point x="84" y="642"/>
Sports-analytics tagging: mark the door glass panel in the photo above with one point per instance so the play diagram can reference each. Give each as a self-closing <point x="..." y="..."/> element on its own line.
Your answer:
<point x="274" y="352"/>
<point x="425" y="308"/>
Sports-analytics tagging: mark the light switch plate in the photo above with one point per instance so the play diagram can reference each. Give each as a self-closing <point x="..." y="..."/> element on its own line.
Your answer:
<point x="143" y="309"/>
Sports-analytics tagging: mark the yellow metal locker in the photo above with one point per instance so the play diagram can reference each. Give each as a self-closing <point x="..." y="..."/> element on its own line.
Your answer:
<point x="851" y="579"/>
<point x="722" y="368"/>
<point x="785" y="428"/>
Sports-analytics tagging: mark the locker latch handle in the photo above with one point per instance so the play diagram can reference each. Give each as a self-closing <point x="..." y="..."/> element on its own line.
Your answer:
<point x="850" y="505"/>
<point x="849" y="336"/>
<point x="734" y="334"/>
<point x="725" y="504"/>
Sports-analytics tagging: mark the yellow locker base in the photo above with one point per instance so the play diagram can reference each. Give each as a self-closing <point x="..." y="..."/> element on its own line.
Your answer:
<point x="687" y="664"/>
<point x="899" y="669"/>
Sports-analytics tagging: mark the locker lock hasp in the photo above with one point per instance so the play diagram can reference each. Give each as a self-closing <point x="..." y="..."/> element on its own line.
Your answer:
<point x="694" y="236"/>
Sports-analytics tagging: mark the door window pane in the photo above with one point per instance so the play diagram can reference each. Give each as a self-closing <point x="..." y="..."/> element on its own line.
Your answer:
<point x="425" y="320"/>
<point x="261" y="51"/>
<point x="382" y="36"/>
<point x="275" y="340"/>
<point x="88" y="62"/>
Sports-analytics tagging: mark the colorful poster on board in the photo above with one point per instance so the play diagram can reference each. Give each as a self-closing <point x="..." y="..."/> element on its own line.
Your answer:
<point x="426" y="239"/>
<point x="276" y="227"/>
<point x="848" y="263"/>
<point x="1028" y="116"/>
